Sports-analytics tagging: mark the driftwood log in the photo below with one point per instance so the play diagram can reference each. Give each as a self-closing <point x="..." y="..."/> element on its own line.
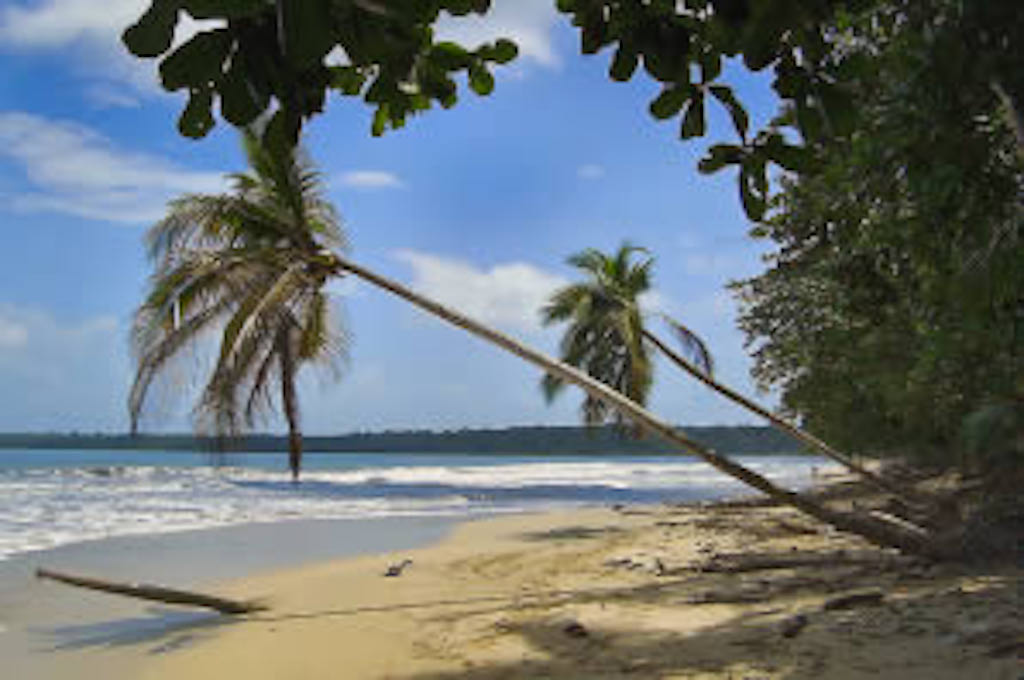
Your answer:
<point x="737" y="563"/>
<point x="154" y="593"/>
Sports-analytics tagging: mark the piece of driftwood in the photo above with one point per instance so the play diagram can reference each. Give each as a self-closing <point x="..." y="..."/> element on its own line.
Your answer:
<point x="850" y="600"/>
<point x="735" y="563"/>
<point x="144" y="591"/>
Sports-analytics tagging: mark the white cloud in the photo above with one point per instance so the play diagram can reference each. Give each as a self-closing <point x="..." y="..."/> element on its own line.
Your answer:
<point x="92" y="30"/>
<point x="370" y="179"/>
<point x="56" y="23"/>
<point x="61" y="374"/>
<point x="527" y="22"/>
<point x="590" y="171"/>
<point x="508" y="295"/>
<point x="74" y="170"/>
<point x="109" y="96"/>
<point x="12" y="334"/>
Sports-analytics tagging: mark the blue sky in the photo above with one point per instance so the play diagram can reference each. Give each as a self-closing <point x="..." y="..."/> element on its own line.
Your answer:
<point x="477" y="206"/>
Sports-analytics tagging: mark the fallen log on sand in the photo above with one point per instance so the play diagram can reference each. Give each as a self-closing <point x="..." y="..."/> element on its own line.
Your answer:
<point x="145" y="591"/>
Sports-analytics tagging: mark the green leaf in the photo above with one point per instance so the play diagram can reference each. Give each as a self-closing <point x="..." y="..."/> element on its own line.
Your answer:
<point x="348" y="79"/>
<point x="670" y="101"/>
<point x="710" y="66"/>
<point x="719" y="156"/>
<point x="153" y="33"/>
<point x="282" y="133"/>
<point x="480" y="80"/>
<point x="725" y="96"/>
<point x="694" y="124"/>
<point x="792" y="158"/>
<point x="450" y="56"/>
<point x="308" y="34"/>
<point x="593" y="33"/>
<point x="809" y="121"/>
<point x="239" y="102"/>
<point x="224" y="9"/>
<point x="196" y="120"/>
<point x="198" y="62"/>
<point x="761" y="42"/>
<point x="503" y="51"/>
<point x="380" y="120"/>
<point x="839" y="108"/>
<point x="624" y="63"/>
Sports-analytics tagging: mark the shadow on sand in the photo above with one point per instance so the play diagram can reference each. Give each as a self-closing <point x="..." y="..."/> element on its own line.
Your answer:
<point x="162" y="630"/>
<point x="909" y="637"/>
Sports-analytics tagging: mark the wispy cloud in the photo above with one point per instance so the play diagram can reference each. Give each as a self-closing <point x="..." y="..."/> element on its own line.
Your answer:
<point x="370" y="179"/>
<point x="91" y="31"/>
<point x="12" y="334"/>
<point x="509" y="295"/>
<point x="111" y="96"/>
<point x="529" y="23"/>
<point x="72" y="169"/>
<point x="74" y="371"/>
<point x="590" y="171"/>
<point x="52" y="24"/>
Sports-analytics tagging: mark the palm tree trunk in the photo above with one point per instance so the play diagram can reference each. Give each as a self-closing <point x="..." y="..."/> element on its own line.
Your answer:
<point x="290" y="405"/>
<point x="882" y="533"/>
<point x="778" y="422"/>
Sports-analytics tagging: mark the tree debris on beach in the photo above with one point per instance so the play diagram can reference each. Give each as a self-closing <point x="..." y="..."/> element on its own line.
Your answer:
<point x="154" y="593"/>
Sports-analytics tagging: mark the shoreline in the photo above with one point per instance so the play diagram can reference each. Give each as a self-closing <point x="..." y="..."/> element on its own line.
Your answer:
<point x="594" y="593"/>
<point x="51" y="631"/>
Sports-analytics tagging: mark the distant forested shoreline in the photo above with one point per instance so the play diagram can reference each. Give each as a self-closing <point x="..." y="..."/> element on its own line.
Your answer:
<point x="568" y="440"/>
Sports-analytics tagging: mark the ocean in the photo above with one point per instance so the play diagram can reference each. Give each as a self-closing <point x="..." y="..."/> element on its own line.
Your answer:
<point x="50" y="499"/>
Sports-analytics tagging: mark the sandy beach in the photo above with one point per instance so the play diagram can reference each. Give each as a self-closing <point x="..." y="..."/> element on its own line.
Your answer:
<point x="725" y="591"/>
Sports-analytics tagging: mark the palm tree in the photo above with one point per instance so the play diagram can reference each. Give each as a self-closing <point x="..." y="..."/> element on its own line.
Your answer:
<point x="251" y="266"/>
<point x="900" y="535"/>
<point x="254" y="264"/>
<point x="606" y="332"/>
<point x="607" y="337"/>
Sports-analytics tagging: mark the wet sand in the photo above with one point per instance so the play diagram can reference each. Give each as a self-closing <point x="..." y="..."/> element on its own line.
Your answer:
<point x="703" y="592"/>
<point x="51" y="631"/>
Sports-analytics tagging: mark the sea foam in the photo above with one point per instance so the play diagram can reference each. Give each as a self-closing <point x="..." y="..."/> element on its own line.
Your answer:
<point x="44" y="507"/>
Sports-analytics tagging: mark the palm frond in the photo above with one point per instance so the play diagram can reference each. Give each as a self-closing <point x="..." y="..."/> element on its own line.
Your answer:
<point x="692" y="346"/>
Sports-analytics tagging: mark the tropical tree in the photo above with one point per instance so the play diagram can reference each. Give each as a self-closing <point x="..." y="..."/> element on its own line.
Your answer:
<point x="251" y="266"/>
<point x="607" y="337"/>
<point x="901" y="535"/>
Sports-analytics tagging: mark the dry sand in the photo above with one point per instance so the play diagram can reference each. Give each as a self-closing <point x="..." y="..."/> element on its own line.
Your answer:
<point x="610" y="594"/>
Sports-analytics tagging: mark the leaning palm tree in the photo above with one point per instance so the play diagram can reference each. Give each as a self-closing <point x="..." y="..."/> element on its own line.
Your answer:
<point x="250" y="266"/>
<point x="606" y="336"/>
<point x="253" y="265"/>
<point x="879" y="530"/>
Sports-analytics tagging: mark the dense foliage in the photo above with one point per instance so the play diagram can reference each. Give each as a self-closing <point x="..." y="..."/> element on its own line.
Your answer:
<point x="285" y="56"/>
<point x="892" y="317"/>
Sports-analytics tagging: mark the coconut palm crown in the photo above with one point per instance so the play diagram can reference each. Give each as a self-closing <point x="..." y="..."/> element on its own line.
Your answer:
<point x="605" y="335"/>
<point x="250" y="266"/>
